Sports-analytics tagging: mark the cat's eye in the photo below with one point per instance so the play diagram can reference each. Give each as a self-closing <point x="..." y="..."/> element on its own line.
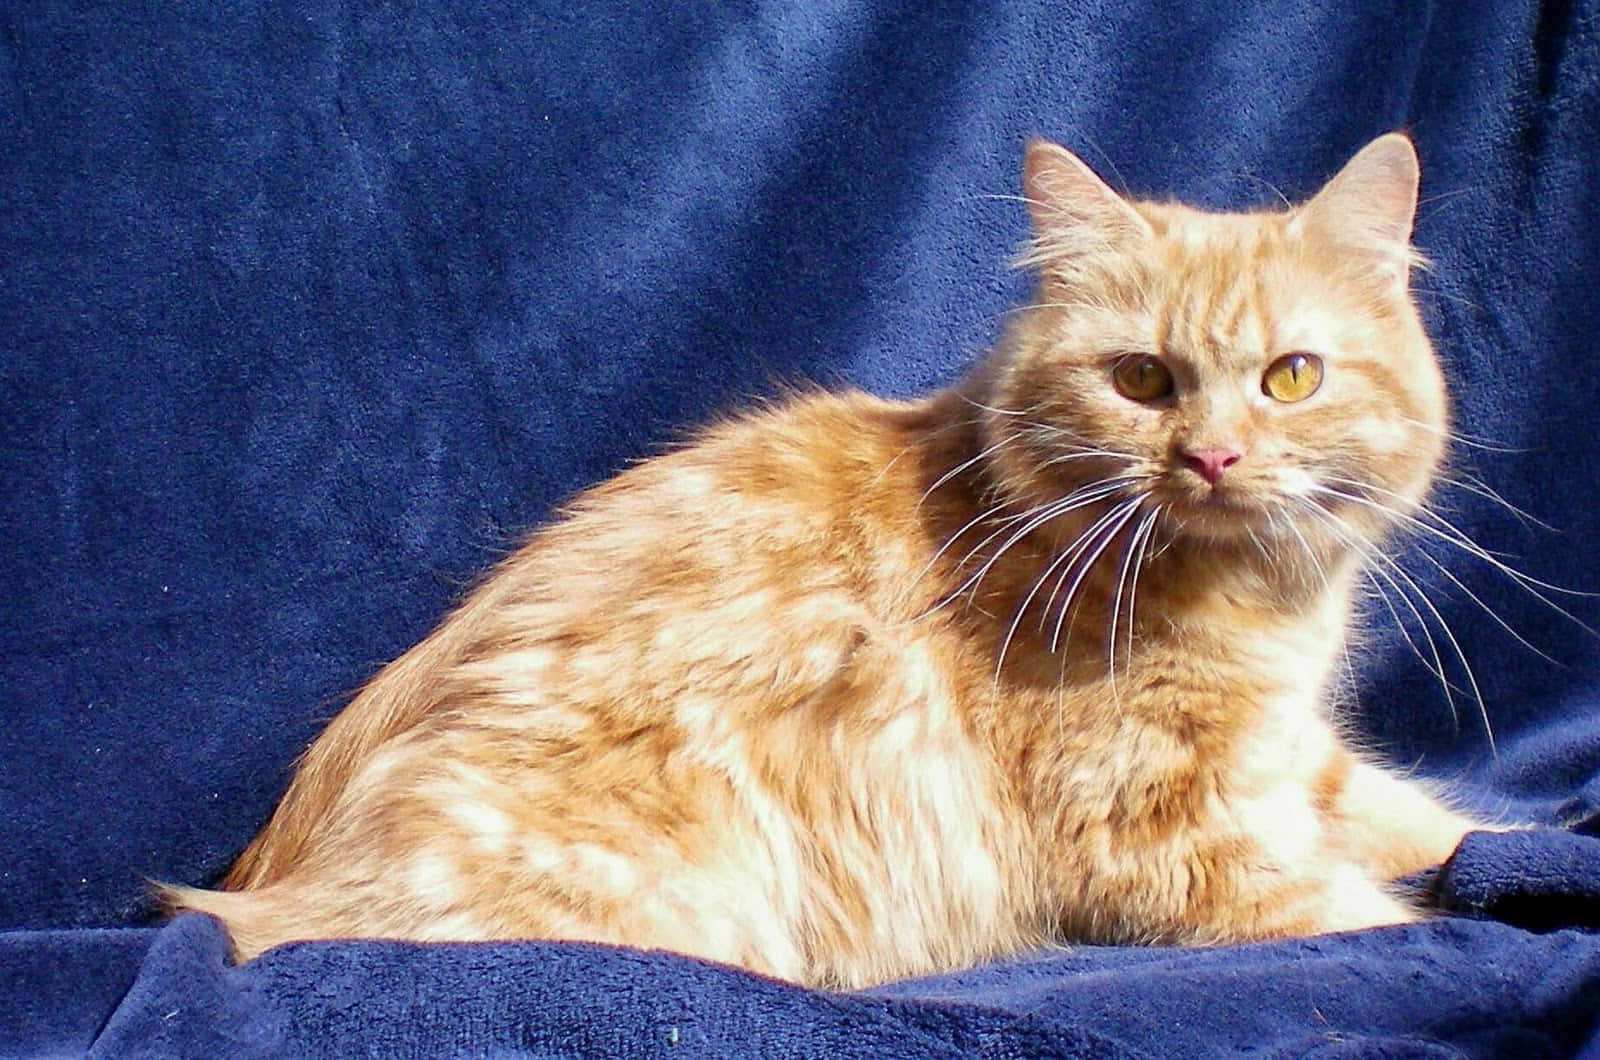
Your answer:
<point x="1141" y="377"/>
<point x="1292" y="377"/>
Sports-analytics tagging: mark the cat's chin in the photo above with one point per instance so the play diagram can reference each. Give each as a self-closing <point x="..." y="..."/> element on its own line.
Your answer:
<point x="1220" y="516"/>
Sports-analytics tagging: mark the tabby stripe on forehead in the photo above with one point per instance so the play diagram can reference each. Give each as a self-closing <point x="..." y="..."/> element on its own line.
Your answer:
<point x="1244" y="298"/>
<point x="1210" y="317"/>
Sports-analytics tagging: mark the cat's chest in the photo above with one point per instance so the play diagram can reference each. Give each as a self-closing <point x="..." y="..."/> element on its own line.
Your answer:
<point x="1221" y="712"/>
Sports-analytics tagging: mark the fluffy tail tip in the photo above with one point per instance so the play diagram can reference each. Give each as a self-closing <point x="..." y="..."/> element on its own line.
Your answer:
<point x="233" y="908"/>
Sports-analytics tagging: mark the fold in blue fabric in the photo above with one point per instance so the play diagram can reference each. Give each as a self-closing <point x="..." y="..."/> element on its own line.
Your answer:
<point x="1539" y="880"/>
<point x="1399" y="991"/>
<point x="308" y="310"/>
<point x="1529" y="988"/>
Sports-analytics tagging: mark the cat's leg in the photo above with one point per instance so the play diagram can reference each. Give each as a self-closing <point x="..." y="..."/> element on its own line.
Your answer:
<point x="588" y="893"/>
<point x="1232" y="887"/>
<point x="1389" y="824"/>
<point x="1294" y="860"/>
<point x="1248" y="867"/>
<point x="1273" y="869"/>
<point x="1337" y="896"/>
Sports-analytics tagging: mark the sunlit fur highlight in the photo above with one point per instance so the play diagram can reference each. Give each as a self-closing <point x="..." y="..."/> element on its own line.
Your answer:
<point x="849" y="690"/>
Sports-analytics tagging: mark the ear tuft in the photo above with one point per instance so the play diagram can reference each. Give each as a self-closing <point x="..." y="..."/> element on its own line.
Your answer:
<point x="1075" y="213"/>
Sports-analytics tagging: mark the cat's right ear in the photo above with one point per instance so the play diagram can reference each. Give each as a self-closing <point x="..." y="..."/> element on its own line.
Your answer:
<point x="1074" y="212"/>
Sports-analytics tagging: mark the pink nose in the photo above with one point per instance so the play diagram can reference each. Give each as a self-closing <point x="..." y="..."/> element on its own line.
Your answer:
<point x="1211" y="462"/>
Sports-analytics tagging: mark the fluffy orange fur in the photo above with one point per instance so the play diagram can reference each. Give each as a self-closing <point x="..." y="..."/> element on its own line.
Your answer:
<point x="851" y="690"/>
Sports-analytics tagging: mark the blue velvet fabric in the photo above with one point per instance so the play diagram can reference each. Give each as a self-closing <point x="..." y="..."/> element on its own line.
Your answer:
<point x="308" y="310"/>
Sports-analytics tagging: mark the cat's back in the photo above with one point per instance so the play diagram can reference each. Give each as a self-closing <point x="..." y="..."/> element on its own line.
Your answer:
<point x="769" y="537"/>
<point x="811" y="503"/>
<point x="820" y="462"/>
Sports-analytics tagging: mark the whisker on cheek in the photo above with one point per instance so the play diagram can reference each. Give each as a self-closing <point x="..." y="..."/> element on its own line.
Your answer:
<point x="1138" y="541"/>
<point x="1397" y="577"/>
<point x="1032" y="519"/>
<point x="1116" y="518"/>
<point x="1099" y="545"/>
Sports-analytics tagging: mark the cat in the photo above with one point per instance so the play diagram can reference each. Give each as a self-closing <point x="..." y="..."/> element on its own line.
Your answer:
<point x="849" y="690"/>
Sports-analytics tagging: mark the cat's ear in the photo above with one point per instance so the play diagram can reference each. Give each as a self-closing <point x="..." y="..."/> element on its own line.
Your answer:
<point x="1369" y="205"/>
<point x="1075" y="213"/>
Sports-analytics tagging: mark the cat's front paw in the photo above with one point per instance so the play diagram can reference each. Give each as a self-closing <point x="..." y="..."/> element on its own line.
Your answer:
<point x="1353" y="901"/>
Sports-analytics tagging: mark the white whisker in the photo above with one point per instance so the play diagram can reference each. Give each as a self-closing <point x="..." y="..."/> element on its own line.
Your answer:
<point x="1065" y="556"/>
<point x="1375" y="571"/>
<point x="953" y="538"/>
<point x="1034" y="307"/>
<point x="1327" y="586"/>
<point x="1084" y="567"/>
<point x="1453" y="535"/>
<point x="1084" y="452"/>
<point x="975" y="403"/>
<point x="1491" y="612"/>
<point x="1036" y="517"/>
<point x="1435" y="667"/>
<point x="1139" y="542"/>
<point x="1474" y="485"/>
<point x="953" y="472"/>
<point x="1471" y="442"/>
<point x="1381" y="562"/>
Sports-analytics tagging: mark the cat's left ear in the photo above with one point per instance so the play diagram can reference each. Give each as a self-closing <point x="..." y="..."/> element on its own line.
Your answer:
<point x="1369" y="206"/>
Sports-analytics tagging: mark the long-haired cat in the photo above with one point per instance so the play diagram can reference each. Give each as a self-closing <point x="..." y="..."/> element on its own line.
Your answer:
<point x="850" y="689"/>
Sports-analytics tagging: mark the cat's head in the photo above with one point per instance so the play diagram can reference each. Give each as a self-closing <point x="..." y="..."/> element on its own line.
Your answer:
<point x="1237" y="369"/>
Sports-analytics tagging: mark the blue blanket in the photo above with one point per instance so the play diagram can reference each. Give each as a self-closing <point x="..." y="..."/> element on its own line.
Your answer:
<point x="308" y="310"/>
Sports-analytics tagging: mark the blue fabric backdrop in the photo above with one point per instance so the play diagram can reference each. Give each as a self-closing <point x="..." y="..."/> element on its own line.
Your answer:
<point x="307" y="310"/>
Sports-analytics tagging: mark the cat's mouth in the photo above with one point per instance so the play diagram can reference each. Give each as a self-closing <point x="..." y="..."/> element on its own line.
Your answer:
<point x="1221" y="512"/>
<point x="1224" y="500"/>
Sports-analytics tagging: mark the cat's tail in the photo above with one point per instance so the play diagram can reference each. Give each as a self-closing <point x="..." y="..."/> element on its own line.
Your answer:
<point x="256" y="920"/>
<point x="400" y="696"/>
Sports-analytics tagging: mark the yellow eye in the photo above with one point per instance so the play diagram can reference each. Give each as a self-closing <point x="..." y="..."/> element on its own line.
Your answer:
<point x="1292" y="377"/>
<point x="1141" y="377"/>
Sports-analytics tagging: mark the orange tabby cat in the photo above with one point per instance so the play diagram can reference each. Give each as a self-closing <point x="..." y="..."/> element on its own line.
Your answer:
<point x="850" y="689"/>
